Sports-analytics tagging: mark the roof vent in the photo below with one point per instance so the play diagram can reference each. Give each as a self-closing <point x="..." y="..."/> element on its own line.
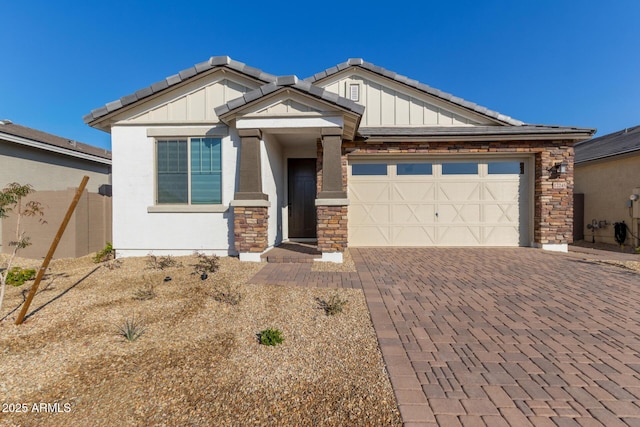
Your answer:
<point x="5" y="122"/>
<point x="72" y="142"/>
<point x="354" y="92"/>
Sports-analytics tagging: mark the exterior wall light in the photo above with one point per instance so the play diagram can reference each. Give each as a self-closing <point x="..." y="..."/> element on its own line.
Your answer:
<point x="558" y="169"/>
<point x="562" y="168"/>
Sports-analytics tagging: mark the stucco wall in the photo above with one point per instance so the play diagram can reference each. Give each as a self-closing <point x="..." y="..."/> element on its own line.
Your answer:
<point x="137" y="232"/>
<point x="48" y="171"/>
<point x="606" y="186"/>
<point x="273" y="186"/>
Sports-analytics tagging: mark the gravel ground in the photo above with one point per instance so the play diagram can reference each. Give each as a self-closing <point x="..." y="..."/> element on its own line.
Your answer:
<point x="198" y="362"/>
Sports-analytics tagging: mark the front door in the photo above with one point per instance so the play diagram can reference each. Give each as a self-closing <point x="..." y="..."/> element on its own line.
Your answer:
<point x="302" y="196"/>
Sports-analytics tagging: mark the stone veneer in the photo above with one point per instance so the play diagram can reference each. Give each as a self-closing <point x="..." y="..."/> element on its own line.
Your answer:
<point x="553" y="207"/>
<point x="332" y="228"/>
<point x="250" y="228"/>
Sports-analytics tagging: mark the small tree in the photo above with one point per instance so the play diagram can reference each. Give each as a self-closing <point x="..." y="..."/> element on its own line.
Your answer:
<point x="11" y="200"/>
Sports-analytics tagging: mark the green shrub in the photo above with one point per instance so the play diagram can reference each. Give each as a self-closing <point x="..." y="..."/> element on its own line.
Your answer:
<point x="270" y="337"/>
<point x="333" y="305"/>
<point x="105" y="254"/>
<point x="17" y="275"/>
<point x="131" y="329"/>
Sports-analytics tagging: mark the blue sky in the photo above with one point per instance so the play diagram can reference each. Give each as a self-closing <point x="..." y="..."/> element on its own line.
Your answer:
<point x="572" y="63"/>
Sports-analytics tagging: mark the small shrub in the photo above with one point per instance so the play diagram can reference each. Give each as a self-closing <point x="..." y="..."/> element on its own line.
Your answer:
<point x="131" y="329"/>
<point x="270" y="337"/>
<point x="105" y="254"/>
<point x="17" y="275"/>
<point x="225" y="293"/>
<point x="113" y="264"/>
<point x="145" y="293"/>
<point x="161" y="263"/>
<point x="638" y="250"/>
<point x="205" y="265"/>
<point x="333" y="305"/>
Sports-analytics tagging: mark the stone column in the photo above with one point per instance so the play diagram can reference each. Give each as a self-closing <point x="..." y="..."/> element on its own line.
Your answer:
<point x="250" y="204"/>
<point x="553" y="218"/>
<point x="332" y="202"/>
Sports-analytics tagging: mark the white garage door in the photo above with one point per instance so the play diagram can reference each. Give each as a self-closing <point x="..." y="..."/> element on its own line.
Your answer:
<point x="443" y="203"/>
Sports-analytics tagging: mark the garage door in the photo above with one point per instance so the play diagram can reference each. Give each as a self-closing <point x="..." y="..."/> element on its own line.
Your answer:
<point x="443" y="203"/>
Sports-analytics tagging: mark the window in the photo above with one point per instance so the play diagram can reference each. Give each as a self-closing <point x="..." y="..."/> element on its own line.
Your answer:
<point x="501" y="168"/>
<point x="369" y="169"/>
<point x="189" y="171"/>
<point x="459" y="169"/>
<point x="414" y="169"/>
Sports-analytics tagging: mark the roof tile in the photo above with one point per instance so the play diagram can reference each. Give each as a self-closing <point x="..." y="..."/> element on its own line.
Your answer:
<point x="621" y="142"/>
<point x="53" y="140"/>
<point x="358" y="62"/>
<point x="188" y="72"/>
<point x="217" y="61"/>
<point x="214" y="61"/>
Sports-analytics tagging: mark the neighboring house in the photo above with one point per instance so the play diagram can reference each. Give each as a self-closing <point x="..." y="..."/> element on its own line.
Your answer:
<point x="607" y="172"/>
<point x="54" y="166"/>
<point x="225" y="158"/>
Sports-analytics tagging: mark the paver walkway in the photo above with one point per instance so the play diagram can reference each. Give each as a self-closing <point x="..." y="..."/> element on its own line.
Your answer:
<point x="498" y="337"/>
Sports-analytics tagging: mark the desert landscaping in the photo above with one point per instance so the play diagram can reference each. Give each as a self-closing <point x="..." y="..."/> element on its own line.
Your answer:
<point x="193" y="355"/>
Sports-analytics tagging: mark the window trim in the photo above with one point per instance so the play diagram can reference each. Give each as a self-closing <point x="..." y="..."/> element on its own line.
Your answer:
<point x="189" y="206"/>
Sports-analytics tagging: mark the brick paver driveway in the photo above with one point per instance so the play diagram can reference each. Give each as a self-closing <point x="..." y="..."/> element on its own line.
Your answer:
<point x="505" y="336"/>
<point x="498" y="337"/>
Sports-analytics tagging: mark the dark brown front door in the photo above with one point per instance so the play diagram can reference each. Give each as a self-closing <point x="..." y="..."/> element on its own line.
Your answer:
<point x="302" y="196"/>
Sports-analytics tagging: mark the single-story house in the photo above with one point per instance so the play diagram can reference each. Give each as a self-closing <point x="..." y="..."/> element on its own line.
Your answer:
<point x="607" y="173"/>
<point x="225" y="158"/>
<point x="54" y="167"/>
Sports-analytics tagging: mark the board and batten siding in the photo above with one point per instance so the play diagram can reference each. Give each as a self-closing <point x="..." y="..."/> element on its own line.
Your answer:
<point x="390" y="104"/>
<point x="192" y="103"/>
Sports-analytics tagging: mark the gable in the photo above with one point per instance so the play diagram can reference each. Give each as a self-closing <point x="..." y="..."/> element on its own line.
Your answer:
<point x="390" y="103"/>
<point x="191" y="103"/>
<point x="288" y="107"/>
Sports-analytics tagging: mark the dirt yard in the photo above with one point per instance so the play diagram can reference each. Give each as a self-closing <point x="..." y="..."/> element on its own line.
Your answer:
<point x="198" y="361"/>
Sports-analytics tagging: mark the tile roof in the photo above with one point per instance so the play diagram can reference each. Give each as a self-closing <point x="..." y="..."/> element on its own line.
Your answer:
<point x="471" y="131"/>
<point x="294" y="82"/>
<point x="213" y="62"/>
<point x="617" y="143"/>
<point x="9" y="128"/>
<point x="359" y="62"/>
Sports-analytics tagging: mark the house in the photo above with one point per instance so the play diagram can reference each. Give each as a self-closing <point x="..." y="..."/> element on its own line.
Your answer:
<point x="607" y="174"/>
<point x="225" y="158"/>
<point x="54" y="167"/>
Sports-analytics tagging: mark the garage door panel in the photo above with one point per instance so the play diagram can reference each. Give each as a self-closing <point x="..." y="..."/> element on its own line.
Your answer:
<point x="413" y="192"/>
<point x="502" y="213"/>
<point x="415" y="235"/>
<point x="371" y="191"/>
<point x="370" y="235"/>
<point x="459" y="191"/>
<point x="501" y="235"/>
<point x="413" y="214"/>
<point x="502" y="191"/>
<point x="463" y="213"/>
<point x="371" y="214"/>
<point x="463" y="235"/>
